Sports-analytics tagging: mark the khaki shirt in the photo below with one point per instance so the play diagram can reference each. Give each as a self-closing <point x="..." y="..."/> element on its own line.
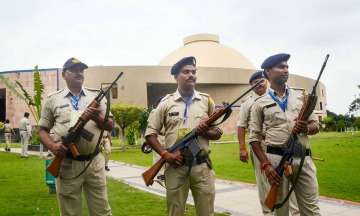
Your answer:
<point x="267" y="117"/>
<point x="245" y="109"/>
<point x="7" y="128"/>
<point x="58" y="115"/>
<point x="170" y="115"/>
<point x="25" y="125"/>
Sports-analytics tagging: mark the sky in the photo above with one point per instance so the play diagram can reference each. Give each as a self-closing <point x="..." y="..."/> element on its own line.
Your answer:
<point x="140" y="32"/>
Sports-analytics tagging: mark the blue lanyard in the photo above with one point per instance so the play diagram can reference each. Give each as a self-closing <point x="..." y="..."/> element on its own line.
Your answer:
<point x="75" y="101"/>
<point x="187" y="104"/>
<point x="283" y="104"/>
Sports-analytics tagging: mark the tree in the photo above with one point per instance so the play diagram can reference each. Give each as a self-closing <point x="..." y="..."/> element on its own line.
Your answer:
<point x="329" y="122"/>
<point x="33" y="102"/>
<point x="143" y="119"/>
<point x="355" y="104"/>
<point x="357" y="122"/>
<point x="340" y="125"/>
<point x="124" y="116"/>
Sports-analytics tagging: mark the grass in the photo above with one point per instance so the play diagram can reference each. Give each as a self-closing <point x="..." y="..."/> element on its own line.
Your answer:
<point x="23" y="192"/>
<point x="338" y="175"/>
<point x="12" y="145"/>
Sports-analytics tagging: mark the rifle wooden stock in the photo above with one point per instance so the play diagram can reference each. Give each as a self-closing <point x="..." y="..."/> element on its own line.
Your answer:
<point x="150" y="174"/>
<point x="54" y="166"/>
<point x="271" y="197"/>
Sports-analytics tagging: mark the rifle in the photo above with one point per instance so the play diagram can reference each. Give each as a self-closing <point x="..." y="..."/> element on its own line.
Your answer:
<point x="74" y="132"/>
<point x="189" y="141"/>
<point x="294" y="147"/>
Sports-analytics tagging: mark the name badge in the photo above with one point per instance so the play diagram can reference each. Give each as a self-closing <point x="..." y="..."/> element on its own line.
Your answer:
<point x="174" y="114"/>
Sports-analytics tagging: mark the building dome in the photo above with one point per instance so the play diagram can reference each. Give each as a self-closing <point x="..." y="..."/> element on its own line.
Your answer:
<point x="208" y="51"/>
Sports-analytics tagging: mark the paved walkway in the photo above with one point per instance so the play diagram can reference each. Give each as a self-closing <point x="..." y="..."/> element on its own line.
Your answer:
<point x="238" y="199"/>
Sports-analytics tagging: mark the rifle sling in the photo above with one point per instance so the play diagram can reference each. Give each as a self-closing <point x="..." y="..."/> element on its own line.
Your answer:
<point x="279" y="205"/>
<point x="226" y="116"/>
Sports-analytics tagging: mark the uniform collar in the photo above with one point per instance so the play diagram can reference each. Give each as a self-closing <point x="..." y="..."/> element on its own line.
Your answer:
<point x="287" y="90"/>
<point x="67" y="92"/>
<point x="177" y="95"/>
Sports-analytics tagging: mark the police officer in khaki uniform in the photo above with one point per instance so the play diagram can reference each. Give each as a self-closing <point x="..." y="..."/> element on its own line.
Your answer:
<point x="61" y="111"/>
<point x="25" y="134"/>
<point x="275" y="115"/>
<point x="179" y="113"/>
<point x="107" y="147"/>
<point x="8" y="132"/>
<point x="243" y="124"/>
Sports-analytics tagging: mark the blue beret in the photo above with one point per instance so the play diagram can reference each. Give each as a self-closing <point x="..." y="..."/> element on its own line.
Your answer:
<point x="71" y="62"/>
<point x="257" y="75"/>
<point x="274" y="60"/>
<point x="191" y="60"/>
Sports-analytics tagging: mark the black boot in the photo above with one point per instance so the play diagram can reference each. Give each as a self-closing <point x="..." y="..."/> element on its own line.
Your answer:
<point x="107" y="168"/>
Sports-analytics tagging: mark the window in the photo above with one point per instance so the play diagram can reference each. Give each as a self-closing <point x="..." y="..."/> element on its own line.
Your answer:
<point x="321" y="106"/>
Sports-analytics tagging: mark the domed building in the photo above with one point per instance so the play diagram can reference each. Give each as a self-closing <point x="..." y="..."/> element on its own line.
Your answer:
<point x="222" y="72"/>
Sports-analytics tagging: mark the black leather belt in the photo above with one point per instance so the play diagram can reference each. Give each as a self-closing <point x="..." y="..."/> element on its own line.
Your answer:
<point x="83" y="157"/>
<point x="280" y="151"/>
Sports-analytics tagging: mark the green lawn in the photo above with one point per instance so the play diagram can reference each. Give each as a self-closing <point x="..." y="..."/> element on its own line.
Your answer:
<point x="338" y="176"/>
<point x="23" y="192"/>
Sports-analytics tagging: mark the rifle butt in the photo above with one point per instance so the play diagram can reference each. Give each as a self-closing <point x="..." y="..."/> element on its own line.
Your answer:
<point x="54" y="166"/>
<point x="150" y="174"/>
<point x="271" y="197"/>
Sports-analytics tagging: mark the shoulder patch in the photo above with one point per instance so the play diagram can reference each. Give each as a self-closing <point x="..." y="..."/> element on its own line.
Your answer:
<point x="55" y="93"/>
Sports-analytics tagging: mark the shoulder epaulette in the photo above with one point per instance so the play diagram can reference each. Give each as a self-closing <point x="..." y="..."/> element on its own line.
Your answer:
<point x="92" y="89"/>
<point x="303" y="91"/>
<point x="204" y="94"/>
<point x="262" y="96"/>
<point x="54" y="93"/>
<point x="166" y="97"/>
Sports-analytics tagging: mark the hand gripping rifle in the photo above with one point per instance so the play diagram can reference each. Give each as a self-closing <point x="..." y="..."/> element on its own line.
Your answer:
<point x="294" y="147"/>
<point x="74" y="132"/>
<point x="189" y="141"/>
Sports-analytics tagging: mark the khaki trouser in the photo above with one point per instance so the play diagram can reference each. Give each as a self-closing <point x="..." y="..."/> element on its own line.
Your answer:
<point x="25" y="137"/>
<point x="7" y="140"/>
<point x="306" y="190"/>
<point x="201" y="182"/>
<point x="263" y="187"/>
<point x="107" y="148"/>
<point x="92" y="183"/>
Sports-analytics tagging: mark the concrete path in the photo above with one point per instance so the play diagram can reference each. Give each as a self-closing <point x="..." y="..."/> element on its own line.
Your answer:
<point x="235" y="198"/>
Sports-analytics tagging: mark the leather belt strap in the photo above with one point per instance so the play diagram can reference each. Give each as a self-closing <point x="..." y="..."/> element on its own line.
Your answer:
<point x="280" y="151"/>
<point x="83" y="157"/>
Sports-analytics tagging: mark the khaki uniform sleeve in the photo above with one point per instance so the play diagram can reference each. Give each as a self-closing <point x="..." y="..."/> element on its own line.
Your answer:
<point x="314" y="118"/>
<point x="155" y="120"/>
<point x="47" y="116"/>
<point x="244" y="115"/>
<point x="211" y="107"/>
<point x="256" y="123"/>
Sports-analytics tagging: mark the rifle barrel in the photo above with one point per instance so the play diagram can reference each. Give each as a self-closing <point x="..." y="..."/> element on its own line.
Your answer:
<point x="321" y="71"/>
<point x="245" y="93"/>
